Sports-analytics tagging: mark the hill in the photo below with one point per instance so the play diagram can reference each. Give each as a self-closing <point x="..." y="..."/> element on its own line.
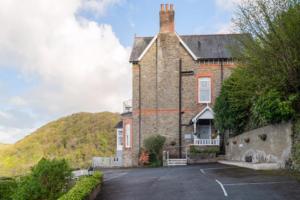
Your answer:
<point x="77" y="138"/>
<point x="3" y="146"/>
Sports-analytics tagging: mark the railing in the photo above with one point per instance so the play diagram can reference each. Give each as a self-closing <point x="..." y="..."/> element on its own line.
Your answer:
<point x="175" y="160"/>
<point x="106" y="162"/>
<point x="207" y="142"/>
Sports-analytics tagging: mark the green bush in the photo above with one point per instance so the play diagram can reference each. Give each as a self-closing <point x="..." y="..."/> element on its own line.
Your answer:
<point x="207" y="150"/>
<point x="262" y="89"/>
<point x="232" y="107"/>
<point x="271" y="108"/>
<point x="48" y="180"/>
<point x="83" y="187"/>
<point x="7" y="187"/>
<point x="154" y="145"/>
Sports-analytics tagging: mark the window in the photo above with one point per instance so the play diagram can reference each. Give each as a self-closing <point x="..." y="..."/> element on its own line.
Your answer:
<point x="119" y="139"/>
<point x="127" y="136"/>
<point x="204" y="93"/>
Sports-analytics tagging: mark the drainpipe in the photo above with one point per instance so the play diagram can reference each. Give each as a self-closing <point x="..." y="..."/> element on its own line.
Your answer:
<point x="180" y="120"/>
<point x="140" y="119"/>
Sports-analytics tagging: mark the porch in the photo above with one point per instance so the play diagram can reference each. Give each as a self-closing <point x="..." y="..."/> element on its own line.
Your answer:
<point x="204" y="132"/>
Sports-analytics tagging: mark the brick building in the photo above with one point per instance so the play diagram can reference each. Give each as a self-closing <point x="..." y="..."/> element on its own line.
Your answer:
<point x="176" y="79"/>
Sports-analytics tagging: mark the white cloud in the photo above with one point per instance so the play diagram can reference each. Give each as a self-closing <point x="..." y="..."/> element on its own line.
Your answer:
<point x="226" y="28"/>
<point x="228" y="4"/>
<point x="98" y="6"/>
<point x="80" y="64"/>
<point x="15" y="134"/>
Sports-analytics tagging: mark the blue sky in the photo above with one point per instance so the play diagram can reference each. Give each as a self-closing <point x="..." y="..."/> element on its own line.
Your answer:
<point x="62" y="57"/>
<point x="141" y="17"/>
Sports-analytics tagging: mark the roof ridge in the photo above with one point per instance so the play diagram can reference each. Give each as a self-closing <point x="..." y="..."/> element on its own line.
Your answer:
<point x="215" y="34"/>
<point x="144" y="36"/>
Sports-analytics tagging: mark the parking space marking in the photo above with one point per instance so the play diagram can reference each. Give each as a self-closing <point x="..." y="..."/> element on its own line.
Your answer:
<point x="202" y="171"/>
<point x="121" y="174"/>
<point x="258" y="183"/>
<point x="223" y="188"/>
<point x="216" y="168"/>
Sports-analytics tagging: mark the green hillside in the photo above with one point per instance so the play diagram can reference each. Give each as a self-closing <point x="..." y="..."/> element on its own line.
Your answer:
<point x="77" y="138"/>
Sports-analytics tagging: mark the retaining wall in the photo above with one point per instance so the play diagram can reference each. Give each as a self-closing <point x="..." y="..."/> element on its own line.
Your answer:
<point x="276" y="148"/>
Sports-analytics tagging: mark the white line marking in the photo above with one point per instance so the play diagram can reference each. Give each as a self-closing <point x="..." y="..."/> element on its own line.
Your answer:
<point x="225" y="193"/>
<point x="219" y="168"/>
<point x="202" y="171"/>
<point x="261" y="183"/>
<point x="122" y="174"/>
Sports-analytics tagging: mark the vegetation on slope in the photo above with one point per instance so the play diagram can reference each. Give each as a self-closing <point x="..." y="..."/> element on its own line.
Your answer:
<point x="265" y="88"/>
<point x="77" y="138"/>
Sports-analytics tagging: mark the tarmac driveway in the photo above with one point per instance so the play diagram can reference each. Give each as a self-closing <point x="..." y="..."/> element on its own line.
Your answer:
<point x="207" y="181"/>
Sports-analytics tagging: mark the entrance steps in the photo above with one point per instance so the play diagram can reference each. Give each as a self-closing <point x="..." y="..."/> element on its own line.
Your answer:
<point x="176" y="162"/>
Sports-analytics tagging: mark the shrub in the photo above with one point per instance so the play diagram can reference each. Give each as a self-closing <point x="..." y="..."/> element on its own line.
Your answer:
<point x="83" y="187"/>
<point x="144" y="158"/>
<point x="7" y="187"/>
<point x="232" y="107"/>
<point x="154" y="145"/>
<point x="271" y="108"/>
<point x="207" y="150"/>
<point x="48" y="180"/>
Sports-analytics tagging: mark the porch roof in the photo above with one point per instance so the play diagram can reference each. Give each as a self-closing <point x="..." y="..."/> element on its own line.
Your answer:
<point x="206" y="113"/>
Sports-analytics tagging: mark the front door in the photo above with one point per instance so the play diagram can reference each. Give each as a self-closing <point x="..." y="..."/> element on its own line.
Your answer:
<point x="203" y="129"/>
<point x="204" y="132"/>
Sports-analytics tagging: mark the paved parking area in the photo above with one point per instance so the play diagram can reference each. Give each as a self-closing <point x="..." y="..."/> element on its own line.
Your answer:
<point x="207" y="181"/>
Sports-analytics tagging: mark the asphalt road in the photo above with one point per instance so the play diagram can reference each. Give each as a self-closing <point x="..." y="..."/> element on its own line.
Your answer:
<point x="207" y="182"/>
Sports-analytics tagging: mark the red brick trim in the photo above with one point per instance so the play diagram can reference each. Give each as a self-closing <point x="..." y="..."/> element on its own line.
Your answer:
<point x="225" y="65"/>
<point x="160" y="111"/>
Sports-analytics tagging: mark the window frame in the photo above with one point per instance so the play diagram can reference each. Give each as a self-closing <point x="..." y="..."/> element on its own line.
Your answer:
<point x="209" y="89"/>
<point x="128" y="135"/>
<point x="119" y="139"/>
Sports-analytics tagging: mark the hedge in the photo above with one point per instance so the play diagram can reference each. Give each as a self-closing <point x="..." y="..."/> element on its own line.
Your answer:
<point x="83" y="187"/>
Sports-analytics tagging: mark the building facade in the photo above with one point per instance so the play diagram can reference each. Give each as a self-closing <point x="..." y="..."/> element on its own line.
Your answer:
<point x="176" y="79"/>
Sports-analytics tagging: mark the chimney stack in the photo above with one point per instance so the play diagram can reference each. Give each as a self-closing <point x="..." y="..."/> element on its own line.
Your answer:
<point x="166" y="15"/>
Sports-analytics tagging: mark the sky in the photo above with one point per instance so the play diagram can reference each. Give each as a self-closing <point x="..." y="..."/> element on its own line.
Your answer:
<point x="62" y="57"/>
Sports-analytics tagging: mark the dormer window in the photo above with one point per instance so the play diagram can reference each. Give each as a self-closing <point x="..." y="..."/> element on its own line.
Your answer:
<point x="204" y="90"/>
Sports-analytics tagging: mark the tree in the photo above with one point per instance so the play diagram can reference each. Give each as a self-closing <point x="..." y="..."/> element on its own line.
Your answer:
<point x="265" y="87"/>
<point x="47" y="181"/>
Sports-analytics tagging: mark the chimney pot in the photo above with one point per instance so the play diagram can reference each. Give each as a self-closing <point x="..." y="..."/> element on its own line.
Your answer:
<point x="167" y="16"/>
<point x="162" y="7"/>
<point x="167" y="7"/>
<point x="171" y="7"/>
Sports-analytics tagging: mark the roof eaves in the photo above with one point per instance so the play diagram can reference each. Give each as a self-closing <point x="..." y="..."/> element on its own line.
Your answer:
<point x="187" y="48"/>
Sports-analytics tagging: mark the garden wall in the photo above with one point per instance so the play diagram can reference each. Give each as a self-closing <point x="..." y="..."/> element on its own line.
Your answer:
<point x="251" y="146"/>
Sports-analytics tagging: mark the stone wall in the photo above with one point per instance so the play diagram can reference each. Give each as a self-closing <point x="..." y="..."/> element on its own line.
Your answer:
<point x="156" y="80"/>
<point x="276" y="148"/>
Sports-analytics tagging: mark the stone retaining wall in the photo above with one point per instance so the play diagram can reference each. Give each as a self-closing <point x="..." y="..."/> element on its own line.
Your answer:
<point x="276" y="148"/>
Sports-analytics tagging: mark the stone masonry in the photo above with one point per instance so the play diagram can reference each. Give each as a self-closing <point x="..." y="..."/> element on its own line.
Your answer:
<point x="155" y="97"/>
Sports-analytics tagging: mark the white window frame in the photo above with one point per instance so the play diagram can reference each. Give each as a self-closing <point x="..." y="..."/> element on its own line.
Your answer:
<point x="127" y="135"/>
<point x="119" y="139"/>
<point x="199" y="89"/>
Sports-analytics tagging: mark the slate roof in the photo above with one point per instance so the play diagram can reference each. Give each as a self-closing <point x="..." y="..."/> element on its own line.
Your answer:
<point x="203" y="46"/>
<point x="119" y="124"/>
